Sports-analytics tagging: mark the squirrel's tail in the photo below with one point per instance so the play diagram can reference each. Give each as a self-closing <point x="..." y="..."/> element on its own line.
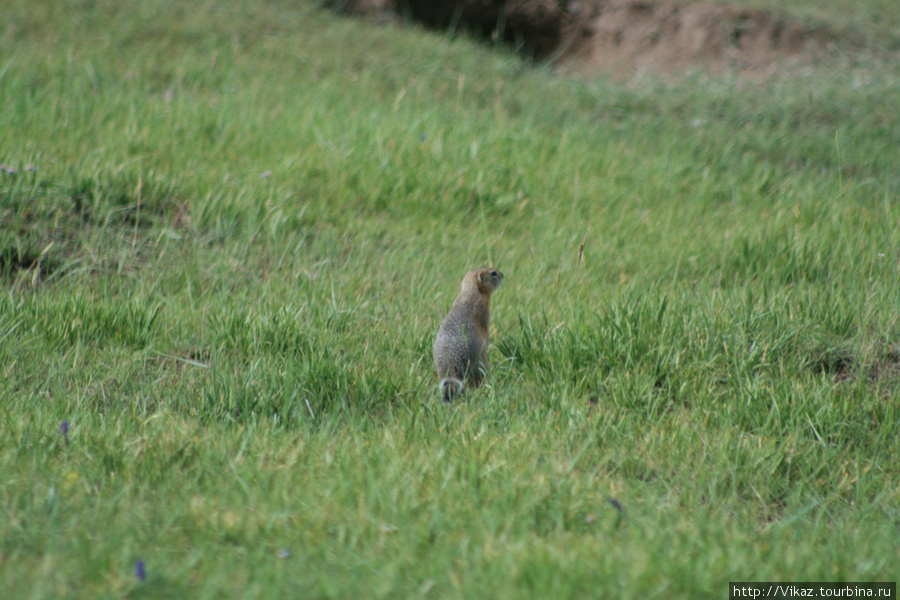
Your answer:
<point x="450" y="388"/>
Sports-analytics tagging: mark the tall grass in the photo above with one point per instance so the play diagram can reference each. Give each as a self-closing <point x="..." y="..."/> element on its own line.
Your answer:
<point x="238" y="229"/>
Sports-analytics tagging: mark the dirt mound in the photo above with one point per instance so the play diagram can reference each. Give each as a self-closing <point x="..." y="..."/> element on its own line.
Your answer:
<point x="620" y="36"/>
<point x="627" y="36"/>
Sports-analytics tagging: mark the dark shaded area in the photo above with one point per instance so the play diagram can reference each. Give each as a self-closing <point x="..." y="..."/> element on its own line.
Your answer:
<point x="14" y="259"/>
<point x="535" y="29"/>
<point x="836" y="361"/>
<point x="618" y="36"/>
<point x="844" y="362"/>
<point x="50" y="226"/>
<point x="126" y="200"/>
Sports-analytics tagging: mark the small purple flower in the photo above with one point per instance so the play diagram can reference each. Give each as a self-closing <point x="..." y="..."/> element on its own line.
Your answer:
<point x="64" y="428"/>
<point x="265" y="174"/>
<point x="283" y="553"/>
<point x="139" y="571"/>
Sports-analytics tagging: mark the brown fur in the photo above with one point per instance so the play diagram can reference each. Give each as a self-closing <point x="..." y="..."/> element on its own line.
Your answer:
<point x="460" y="349"/>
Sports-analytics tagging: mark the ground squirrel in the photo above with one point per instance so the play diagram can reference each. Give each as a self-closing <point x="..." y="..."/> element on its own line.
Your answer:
<point x="460" y="350"/>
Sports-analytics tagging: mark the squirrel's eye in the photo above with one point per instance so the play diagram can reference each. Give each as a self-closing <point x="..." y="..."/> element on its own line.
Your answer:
<point x="494" y="274"/>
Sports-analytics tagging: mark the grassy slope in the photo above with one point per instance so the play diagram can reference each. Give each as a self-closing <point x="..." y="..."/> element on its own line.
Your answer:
<point x="246" y="222"/>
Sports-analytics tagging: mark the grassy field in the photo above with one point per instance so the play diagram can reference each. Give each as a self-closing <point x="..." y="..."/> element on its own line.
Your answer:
<point x="229" y="231"/>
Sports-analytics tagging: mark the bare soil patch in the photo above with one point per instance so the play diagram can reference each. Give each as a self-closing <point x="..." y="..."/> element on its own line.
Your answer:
<point x="628" y="36"/>
<point x="622" y="37"/>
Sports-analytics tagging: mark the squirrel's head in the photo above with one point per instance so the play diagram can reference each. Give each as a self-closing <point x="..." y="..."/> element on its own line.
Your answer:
<point x="485" y="279"/>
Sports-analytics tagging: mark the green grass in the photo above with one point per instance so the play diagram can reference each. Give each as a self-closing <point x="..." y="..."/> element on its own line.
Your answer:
<point x="246" y="222"/>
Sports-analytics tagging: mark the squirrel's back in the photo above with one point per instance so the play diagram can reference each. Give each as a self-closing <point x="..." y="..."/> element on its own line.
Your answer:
<point x="460" y="349"/>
